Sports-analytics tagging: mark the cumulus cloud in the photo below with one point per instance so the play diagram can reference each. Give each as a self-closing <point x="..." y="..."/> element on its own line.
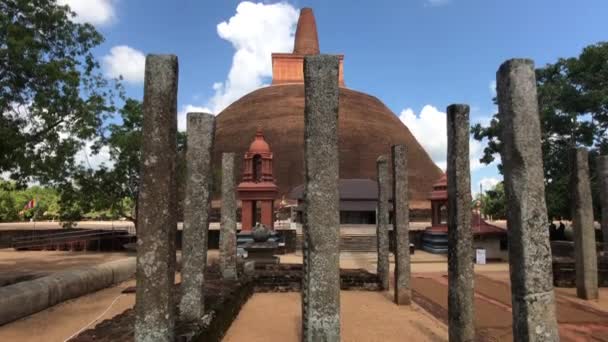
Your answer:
<point x="96" y="12"/>
<point x="429" y="128"/>
<point x="489" y="183"/>
<point x="87" y="158"/>
<point x="183" y="113"/>
<point x="255" y="31"/>
<point x="493" y="88"/>
<point x="125" y="61"/>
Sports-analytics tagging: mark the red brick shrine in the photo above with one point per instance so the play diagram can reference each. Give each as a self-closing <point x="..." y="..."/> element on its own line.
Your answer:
<point x="486" y="236"/>
<point x="257" y="190"/>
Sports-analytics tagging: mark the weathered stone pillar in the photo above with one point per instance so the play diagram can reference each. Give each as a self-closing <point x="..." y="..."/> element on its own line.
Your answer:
<point x="401" y="223"/>
<point x="383" y="221"/>
<point x="321" y="286"/>
<point x="228" y="220"/>
<point x="157" y="214"/>
<point x="532" y="294"/>
<point x="602" y="170"/>
<point x="585" y="253"/>
<point x="201" y="131"/>
<point x="460" y="236"/>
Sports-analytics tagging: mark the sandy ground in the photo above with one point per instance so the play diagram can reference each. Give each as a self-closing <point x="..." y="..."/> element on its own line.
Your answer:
<point x="61" y="321"/>
<point x="365" y="316"/>
<point x="276" y="316"/>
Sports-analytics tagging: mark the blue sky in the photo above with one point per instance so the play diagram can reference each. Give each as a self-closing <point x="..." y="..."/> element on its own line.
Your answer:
<point x="417" y="56"/>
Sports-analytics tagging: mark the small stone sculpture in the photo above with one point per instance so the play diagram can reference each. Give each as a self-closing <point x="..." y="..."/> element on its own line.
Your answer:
<point x="260" y="233"/>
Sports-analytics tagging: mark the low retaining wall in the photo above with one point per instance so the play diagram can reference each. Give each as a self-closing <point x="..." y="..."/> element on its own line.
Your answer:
<point x="28" y="297"/>
<point x="564" y="272"/>
<point x="7" y="235"/>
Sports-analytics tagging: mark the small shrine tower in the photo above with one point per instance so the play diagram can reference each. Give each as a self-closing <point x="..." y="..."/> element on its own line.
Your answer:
<point x="439" y="202"/>
<point x="257" y="187"/>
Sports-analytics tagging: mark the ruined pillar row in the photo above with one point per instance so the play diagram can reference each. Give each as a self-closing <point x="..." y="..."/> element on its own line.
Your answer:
<point x="157" y="203"/>
<point x="461" y="320"/>
<point x="602" y="170"/>
<point x="228" y="220"/>
<point x="201" y="131"/>
<point x="585" y="254"/>
<point x="321" y="286"/>
<point x="532" y="296"/>
<point x="401" y="222"/>
<point x="383" y="221"/>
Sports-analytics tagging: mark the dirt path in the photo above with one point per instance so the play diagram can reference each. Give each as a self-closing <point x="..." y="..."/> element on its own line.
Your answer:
<point x="578" y="320"/>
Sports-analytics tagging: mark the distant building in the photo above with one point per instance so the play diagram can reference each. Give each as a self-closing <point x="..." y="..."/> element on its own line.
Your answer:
<point x="358" y="202"/>
<point x="491" y="238"/>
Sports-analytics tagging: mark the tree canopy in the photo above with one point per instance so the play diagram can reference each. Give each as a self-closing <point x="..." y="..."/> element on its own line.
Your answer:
<point x="53" y="96"/>
<point x="573" y="108"/>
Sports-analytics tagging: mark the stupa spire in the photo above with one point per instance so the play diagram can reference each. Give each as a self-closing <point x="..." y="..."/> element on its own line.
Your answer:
<point x="307" y="40"/>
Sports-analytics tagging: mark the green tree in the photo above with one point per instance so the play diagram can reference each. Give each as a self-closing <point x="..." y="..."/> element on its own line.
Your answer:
<point x="9" y="210"/>
<point x="114" y="189"/>
<point x="52" y="94"/>
<point x="573" y="106"/>
<point x="494" y="204"/>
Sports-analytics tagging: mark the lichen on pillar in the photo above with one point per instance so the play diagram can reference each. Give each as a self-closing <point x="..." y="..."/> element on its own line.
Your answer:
<point x="532" y="296"/>
<point x="383" y="264"/>
<point x="401" y="222"/>
<point x="585" y="254"/>
<point x="461" y="321"/>
<point x="228" y="219"/>
<point x="157" y="203"/>
<point x="321" y="287"/>
<point x="200" y="128"/>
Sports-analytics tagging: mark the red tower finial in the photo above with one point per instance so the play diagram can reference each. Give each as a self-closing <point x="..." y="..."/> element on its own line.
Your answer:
<point x="307" y="40"/>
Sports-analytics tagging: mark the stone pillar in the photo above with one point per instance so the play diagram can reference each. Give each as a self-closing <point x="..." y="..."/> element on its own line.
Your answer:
<point x="532" y="296"/>
<point x="383" y="221"/>
<point x="461" y="320"/>
<point x="401" y="223"/>
<point x="585" y="253"/>
<point x="201" y="132"/>
<point x="321" y="285"/>
<point x="157" y="212"/>
<point x="228" y="220"/>
<point x="602" y="170"/>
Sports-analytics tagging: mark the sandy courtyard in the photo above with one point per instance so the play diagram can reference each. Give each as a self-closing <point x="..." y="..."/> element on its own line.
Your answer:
<point x="365" y="317"/>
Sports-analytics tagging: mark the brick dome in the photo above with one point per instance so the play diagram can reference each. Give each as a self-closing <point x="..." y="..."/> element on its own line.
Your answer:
<point x="367" y="129"/>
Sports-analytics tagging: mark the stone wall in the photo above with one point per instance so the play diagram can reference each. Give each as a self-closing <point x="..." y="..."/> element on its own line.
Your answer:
<point x="564" y="274"/>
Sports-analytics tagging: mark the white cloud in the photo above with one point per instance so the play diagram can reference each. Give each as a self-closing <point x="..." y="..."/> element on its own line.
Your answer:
<point x="87" y="158"/>
<point x="437" y="3"/>
<point x="182" y="115"/>
<point x="489" y="183"/>
<point x="493" y="88"/>
<point x="125" y="61"/>
<point x="255" y="31"/>
<point x="96" y="12"/>
<point x="429" y="128"/>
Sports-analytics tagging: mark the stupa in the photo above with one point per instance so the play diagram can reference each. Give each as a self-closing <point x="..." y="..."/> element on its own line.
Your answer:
<point x="367" y="128"/>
